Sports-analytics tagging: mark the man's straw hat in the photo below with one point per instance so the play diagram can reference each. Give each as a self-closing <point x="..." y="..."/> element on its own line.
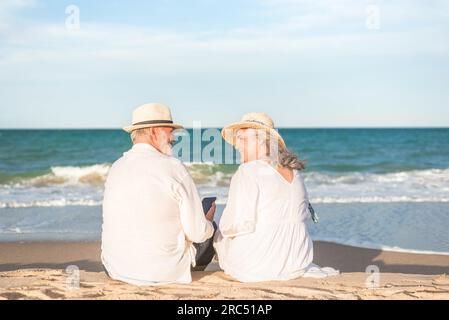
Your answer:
<point x="152" y="115"/>
<point x="253" y="120"/>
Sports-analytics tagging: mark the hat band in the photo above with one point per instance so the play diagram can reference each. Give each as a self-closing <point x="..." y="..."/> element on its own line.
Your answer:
<point x="152" y="122"/>
<point x="259" y="122"/>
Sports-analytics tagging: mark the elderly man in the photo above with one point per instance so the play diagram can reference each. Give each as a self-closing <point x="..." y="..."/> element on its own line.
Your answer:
<point x="152" y="213"/>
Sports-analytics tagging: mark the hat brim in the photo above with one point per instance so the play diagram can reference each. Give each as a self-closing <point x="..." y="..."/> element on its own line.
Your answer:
<point x="130" y="129"/>
<point x="229" y="131"/>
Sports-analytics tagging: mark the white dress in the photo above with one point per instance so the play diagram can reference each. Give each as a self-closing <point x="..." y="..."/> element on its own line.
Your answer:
<point x="262" y="233"/>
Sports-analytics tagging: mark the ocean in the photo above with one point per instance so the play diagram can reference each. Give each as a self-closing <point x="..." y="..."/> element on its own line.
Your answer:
<point x="375" y="188"/>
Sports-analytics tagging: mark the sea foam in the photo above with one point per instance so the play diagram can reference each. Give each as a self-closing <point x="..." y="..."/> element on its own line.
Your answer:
<point x="83" y="185"/>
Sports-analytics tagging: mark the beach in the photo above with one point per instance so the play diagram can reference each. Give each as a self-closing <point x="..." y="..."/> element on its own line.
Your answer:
<point x="38" y="270"/>
<point x="384" y="189"/>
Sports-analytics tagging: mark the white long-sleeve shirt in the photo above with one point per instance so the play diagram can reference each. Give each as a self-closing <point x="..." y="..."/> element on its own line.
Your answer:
<point x="151" y="215"/>
<point x="262" y="232"/>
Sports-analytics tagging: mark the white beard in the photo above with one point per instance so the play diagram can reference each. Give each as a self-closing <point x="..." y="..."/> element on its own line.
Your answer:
<point x="164" y="146"/>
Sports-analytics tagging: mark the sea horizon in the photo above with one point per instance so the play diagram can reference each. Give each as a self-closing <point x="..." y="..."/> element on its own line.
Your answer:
<point x="218" y="127"/>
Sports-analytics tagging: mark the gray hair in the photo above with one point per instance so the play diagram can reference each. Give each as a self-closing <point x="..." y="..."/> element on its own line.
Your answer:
<point x="139" y="133"/>
<point x="282" y="156"/>
<point x="288" y="159"/>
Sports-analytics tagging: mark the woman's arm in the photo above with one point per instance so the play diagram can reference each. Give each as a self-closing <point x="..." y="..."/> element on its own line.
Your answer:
<point x="240" y="214"/>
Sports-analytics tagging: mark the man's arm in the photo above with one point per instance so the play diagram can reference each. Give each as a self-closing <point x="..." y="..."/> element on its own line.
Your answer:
<point x="196" y="227"/>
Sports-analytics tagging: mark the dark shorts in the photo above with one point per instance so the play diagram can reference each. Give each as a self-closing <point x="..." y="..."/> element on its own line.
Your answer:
<point x="205" y="250"/>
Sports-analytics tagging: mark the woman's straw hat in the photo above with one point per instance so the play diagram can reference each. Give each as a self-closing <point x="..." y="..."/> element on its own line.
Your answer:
<point x="152" y="115"/>
<point x="253" y="120"/>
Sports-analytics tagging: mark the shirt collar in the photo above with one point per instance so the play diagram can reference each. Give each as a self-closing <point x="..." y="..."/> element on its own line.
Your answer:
<point x="144" y="147"/>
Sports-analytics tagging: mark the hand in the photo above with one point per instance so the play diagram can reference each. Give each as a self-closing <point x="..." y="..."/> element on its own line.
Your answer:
<point x="211" y="213"/>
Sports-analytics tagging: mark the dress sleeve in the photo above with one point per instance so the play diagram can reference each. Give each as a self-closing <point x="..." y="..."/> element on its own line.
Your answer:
<point x="304" y="211"/>
<point x="240" y="214"/>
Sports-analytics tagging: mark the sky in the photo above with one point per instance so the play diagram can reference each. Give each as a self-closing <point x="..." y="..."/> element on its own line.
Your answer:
<point x="307" y="63"/>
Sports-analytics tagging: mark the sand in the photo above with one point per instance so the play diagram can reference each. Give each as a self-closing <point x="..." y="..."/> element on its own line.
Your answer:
<point x="38" y="271"/>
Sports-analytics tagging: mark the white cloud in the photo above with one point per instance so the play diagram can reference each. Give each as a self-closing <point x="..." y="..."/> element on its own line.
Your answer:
<point x="8" y="10"/>
<point x="8" y="5"/>
<point x="298" y="34"/>
<point x="336" y="16"/>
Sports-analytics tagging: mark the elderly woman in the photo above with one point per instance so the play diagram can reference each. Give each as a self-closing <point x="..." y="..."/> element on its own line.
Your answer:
<point x="262" y="233"/>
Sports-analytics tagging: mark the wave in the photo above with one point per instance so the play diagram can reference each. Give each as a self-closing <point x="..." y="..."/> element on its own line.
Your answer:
<point x="49" y="203"/>
<point x="202" y="173"/>
<point x="207" y="173"/>
<point x="417" y="176"/>
<point x="377" y="199"/>
<point x="377" y="246"/>
<point x="222" y="201"/>
<point x="220" y="175"/>
<point x="64" y="175"/>
<point x="91" y="174"/>
<point x="83" y="186"/>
